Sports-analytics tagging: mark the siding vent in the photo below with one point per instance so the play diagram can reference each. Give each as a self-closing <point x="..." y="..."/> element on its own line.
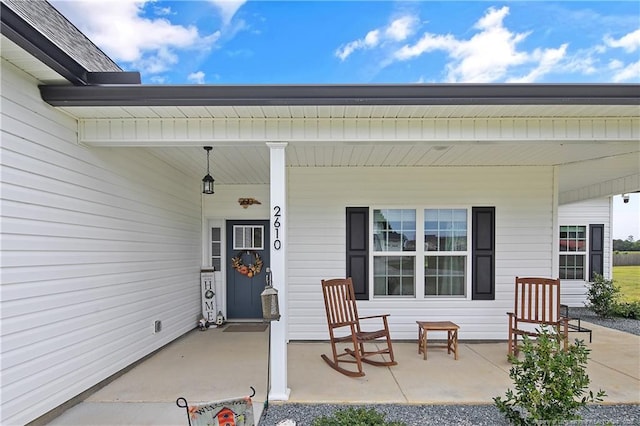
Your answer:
<point x="157" y="326"/>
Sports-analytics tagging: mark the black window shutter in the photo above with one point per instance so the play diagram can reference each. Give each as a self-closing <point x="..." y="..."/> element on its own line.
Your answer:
<point x="358" y="250"/>
<point x="483" y="253"/>
<point x="596" y="250"/>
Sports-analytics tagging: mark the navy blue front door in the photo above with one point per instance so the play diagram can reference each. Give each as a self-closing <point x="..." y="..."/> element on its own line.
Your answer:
<point x="247" y="260"/>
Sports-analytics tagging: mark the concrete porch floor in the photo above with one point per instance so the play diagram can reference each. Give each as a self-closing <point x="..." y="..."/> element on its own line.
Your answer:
<point x="215" y="365"/>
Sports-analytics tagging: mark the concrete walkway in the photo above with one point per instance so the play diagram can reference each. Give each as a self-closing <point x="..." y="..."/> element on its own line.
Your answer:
<point x="215" y="365"/>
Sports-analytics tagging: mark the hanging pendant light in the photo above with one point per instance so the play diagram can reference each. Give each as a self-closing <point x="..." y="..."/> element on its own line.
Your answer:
<point x="207" y="181"/>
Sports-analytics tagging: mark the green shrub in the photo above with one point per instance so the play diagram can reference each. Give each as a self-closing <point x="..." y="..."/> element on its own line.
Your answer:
<point x="550" y="383"/>
<point x="602" y="295"/>
<point x="627" y="310"/>
<point x="355" y="417"/>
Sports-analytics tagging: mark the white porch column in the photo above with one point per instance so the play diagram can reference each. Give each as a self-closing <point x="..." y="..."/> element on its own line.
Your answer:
<point x="278" y="225"/>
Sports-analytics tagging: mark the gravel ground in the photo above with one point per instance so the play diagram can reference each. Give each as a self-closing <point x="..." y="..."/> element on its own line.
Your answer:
<point x="463" y="415"/>
<point x="623" y="324"/>
<point x="441" y="415"/>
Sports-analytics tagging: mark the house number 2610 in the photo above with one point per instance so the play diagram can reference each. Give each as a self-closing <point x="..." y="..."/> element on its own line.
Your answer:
<point x="277" y="243"/>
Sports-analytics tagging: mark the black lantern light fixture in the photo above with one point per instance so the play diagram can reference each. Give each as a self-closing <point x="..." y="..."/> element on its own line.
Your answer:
<point x="207" y="181"/>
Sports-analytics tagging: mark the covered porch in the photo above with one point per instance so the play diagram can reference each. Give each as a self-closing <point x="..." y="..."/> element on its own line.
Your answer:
<point x="215" y="365"/>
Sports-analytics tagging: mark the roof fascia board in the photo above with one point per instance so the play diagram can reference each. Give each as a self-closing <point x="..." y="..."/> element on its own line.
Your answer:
<point x="35" y="43"/>
<point x="400" y="94"/>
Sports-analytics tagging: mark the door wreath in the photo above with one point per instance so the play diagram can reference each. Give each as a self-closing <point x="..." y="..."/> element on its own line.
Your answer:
<point x="248" y="270"/>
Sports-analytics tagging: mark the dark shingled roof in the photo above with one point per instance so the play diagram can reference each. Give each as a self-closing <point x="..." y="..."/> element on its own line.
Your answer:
<point x="52" y="24"/>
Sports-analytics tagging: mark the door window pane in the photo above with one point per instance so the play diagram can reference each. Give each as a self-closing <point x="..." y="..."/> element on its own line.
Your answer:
<point x="216" y="248"/>
<point x="248" y="237"/>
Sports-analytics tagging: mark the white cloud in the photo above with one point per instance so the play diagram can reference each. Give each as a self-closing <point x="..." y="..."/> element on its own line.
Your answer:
<point x="121" y="30"/>
<point x="401" y="28"/>
<point x="428" y="42"/>
<point x="398" y="30"/>
<point x="158" y="79"/>
<point x="616" y="64"/>
<point x="493" y="52"/>
<point x="630" y="42"/>
<point x="547" y="59"/>
<point x="196" y="77"/>
<point x="161" y="61"/>
<point x="485" y="57"/>
<point x="227" y="8"/>
<point x="627" y="73"/>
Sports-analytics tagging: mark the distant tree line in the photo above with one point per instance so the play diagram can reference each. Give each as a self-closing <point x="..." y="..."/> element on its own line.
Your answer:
<point x="626" y="245"/>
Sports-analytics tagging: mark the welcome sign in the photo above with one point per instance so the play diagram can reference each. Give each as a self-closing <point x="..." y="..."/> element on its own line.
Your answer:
<point x="232" y="412"/>
<point x="208" y="291"/>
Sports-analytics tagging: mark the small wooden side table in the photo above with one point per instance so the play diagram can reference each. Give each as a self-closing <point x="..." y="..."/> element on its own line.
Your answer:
<point x="448" y="326"/>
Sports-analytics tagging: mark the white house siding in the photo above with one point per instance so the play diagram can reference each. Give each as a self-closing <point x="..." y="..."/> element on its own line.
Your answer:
<point x="96" y="245"/>
<point x="585" y="213"/>
<point x="522" y="196"/>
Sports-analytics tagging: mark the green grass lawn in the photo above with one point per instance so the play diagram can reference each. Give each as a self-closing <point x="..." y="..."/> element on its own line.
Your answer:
<point x="628" y="279"/>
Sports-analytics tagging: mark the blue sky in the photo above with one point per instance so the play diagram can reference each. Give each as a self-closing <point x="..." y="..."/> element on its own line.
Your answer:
<point x="245" y="42"/>
<point x="318" y="42"/>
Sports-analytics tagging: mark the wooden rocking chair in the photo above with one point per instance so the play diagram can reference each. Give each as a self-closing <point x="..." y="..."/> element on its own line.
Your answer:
<point x="342" y="313"/>
<point x="537" y="304"/>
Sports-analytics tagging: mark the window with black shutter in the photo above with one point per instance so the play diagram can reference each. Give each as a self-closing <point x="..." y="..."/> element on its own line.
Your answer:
<point x="443" y="244"/>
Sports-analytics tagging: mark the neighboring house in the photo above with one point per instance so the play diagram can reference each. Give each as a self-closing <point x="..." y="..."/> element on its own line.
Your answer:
<point x="432" y="197"/>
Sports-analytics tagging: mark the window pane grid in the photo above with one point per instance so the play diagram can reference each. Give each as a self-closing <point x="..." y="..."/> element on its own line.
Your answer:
<point x="572" y="266"/>
<point x="394" y="275"/>
<point x="445" y="230"/>
<point x="394" y="230"/>
<point x="573" y="238"/>
<point x="445" y="275"/>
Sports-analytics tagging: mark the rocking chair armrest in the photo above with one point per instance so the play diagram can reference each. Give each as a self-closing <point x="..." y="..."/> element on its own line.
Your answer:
<point x="374" y="316"/>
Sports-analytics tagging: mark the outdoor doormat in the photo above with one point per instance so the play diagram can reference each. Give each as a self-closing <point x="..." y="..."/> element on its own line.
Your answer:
<point x="261" y="326"/>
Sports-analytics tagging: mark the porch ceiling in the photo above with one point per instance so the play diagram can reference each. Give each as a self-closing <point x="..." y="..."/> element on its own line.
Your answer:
<point x="580" y="165"/>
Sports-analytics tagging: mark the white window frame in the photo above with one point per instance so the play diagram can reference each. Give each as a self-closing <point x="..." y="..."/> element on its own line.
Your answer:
<point x="400" y="253"/>
<point x="584" y="253"/>
<point x="419" y="253"/>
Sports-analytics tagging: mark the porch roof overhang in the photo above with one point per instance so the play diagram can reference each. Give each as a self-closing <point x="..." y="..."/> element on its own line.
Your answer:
<point x="341" y="94"/>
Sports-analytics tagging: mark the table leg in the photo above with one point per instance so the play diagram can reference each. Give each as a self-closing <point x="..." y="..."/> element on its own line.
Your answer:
<point x="455" y="344"/>
<point x="424" y="343"/>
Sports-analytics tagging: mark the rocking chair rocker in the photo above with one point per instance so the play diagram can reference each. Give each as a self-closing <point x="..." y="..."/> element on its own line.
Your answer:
<point x="342" y="317"/>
